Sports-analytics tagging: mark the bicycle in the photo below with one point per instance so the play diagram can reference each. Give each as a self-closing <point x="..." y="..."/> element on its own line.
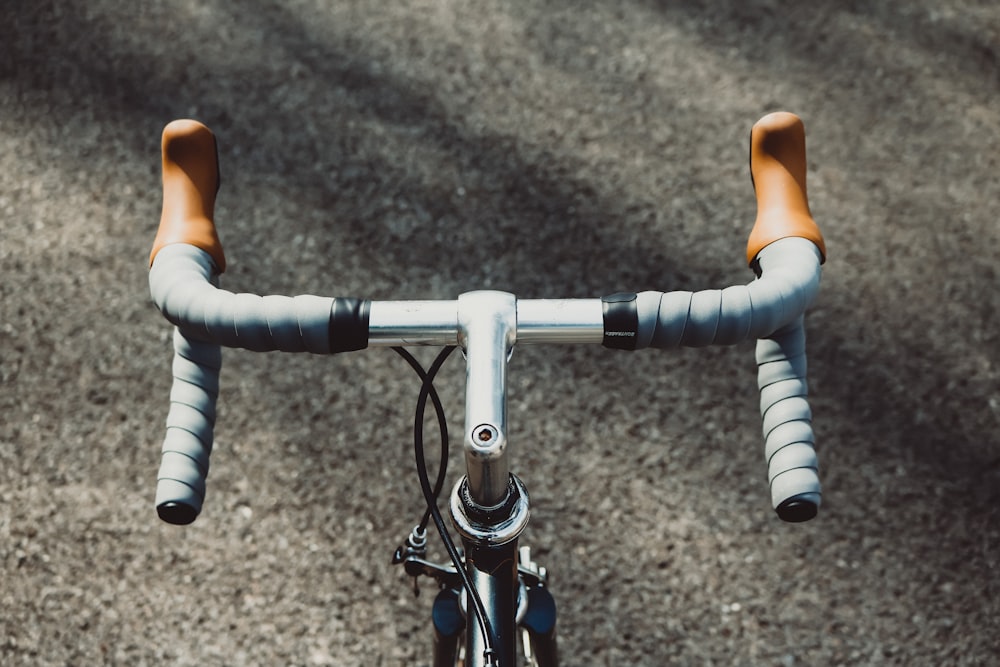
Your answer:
<point x="491" y="587"/>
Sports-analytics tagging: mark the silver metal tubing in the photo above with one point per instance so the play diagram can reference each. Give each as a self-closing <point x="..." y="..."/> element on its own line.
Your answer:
<point x="567" y="321"/>
<point x="560" y="321"/>
<point x="393" y="323"/>
<point x="487" y="324"/>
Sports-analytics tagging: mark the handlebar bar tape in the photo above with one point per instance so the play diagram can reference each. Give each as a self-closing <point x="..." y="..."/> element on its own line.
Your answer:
<point x="789" y="444"/>
<point x="788" y="282"/>
<point x="185" y="263"/>
<point x="190" y="182"/>
<point x="769" y="309"/>
<point x="180" y="483"/>
<point x="778" y="173"/>
<point x="183" y="285"/>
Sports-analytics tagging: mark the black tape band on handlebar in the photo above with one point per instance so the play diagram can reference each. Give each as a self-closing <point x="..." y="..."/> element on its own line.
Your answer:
<point x="621" y="321"/>
<point x="349" y="324"/>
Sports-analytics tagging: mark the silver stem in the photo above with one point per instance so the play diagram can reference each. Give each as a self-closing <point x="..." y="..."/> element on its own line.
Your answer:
<point x="487" y="329"/>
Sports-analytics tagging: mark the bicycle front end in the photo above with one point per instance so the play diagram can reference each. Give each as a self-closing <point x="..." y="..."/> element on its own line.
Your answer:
<point x="491" y="590"/>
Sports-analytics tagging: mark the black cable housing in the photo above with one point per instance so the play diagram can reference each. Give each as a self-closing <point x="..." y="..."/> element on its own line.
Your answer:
<point x="431" y="495"/>
<point x="442" y="427"/>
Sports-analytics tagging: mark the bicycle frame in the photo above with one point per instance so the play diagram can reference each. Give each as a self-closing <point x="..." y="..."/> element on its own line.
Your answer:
<point x="489" y="506"/>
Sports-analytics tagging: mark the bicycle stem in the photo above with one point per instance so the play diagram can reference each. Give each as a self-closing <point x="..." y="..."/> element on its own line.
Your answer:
<point x="487" y="330"/>
<point x="486" y="324"/>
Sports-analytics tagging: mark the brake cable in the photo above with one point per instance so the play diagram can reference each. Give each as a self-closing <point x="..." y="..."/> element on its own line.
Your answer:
<point x="442" y="426"/>
<point x="431" y="494"/>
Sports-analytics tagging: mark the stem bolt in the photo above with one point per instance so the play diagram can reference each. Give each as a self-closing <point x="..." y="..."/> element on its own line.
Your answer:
<point x="484" y="434"/>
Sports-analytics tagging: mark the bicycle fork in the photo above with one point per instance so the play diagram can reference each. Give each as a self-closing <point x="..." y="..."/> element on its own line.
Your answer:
<point x="514" y="592"/>
<point x="533" y="612"/>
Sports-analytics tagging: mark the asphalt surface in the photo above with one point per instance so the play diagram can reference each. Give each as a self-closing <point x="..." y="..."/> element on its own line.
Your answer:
<point x="552" y="149"/>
